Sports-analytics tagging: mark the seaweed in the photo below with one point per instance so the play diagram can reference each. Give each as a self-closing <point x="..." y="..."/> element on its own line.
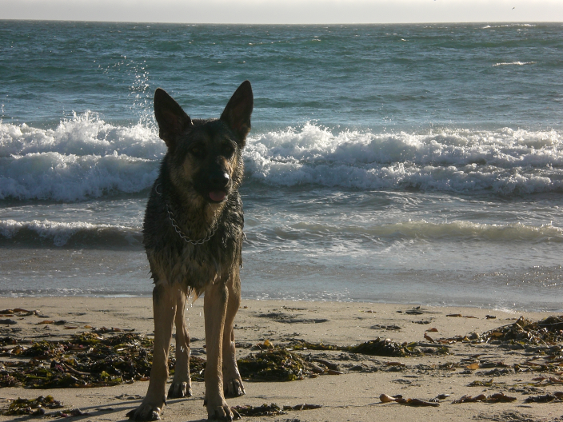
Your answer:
<point x="493" y="398"/>
<point x="270" y="409"/>
<point x="277" y="364"/>
<point x="31" y="406"/>
<point x="383" y="347"/>
<point x="264" y="410"/>
<point x="547" y="398"/>
<point x="376" y="347"/>
<point x="86" y="360"/>
<point x="548" y="331"/>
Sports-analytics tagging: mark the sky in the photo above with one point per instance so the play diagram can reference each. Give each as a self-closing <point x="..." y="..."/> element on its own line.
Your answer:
<point x="286" y="11"/>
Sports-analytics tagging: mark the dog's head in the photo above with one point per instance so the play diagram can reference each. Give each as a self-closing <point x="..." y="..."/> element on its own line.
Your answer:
<point x="204" y="156"/>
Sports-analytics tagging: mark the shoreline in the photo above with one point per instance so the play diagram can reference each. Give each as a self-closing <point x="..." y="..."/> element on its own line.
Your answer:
<point x="470" y="368"/>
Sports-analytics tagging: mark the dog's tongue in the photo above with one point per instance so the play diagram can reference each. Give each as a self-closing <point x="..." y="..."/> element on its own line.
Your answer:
<point x="217" y="195"/>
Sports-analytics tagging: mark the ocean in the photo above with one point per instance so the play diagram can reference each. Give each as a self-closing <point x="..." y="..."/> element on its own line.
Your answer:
<point x="414" y="164"/>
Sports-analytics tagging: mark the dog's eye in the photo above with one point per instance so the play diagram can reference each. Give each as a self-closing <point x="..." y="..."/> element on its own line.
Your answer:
<point x="228" y="150"/>
<point x="197" y="151"/>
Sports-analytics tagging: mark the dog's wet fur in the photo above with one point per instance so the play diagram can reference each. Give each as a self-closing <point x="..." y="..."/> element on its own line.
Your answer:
<point x="193" y="237"/>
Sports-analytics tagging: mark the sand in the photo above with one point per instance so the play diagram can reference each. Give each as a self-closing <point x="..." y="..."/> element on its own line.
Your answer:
<point x="352" y="395"/>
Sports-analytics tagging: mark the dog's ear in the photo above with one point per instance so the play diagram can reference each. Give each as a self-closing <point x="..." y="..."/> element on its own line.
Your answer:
<point x="238" y="110"/>
<point x="172" y="120"/>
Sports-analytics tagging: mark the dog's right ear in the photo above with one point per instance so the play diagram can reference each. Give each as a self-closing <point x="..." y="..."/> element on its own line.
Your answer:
<point x="172" y="120"/>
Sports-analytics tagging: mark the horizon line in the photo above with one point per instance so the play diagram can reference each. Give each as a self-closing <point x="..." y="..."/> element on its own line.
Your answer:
<point x="280" y="24"/>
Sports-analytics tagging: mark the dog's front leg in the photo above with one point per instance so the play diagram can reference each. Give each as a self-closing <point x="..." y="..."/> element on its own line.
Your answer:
<point x="181" y="384"/>
<point x="231" y="376"/>
<point x="215" y="308"/>
<point x="164" y="306"/>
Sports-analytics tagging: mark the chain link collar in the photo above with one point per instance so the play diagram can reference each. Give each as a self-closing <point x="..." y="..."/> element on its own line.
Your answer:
<point x="177" y="228"/>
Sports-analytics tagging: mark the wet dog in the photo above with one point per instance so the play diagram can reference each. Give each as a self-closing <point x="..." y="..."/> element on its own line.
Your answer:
<point x="193" y="237"/>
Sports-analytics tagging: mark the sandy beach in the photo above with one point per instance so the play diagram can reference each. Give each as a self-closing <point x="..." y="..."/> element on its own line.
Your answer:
<point x="452" y="354"/>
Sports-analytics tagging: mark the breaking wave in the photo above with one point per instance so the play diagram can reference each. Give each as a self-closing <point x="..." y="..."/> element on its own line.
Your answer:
<point x="85" y="157"/>
<point x="85" y="235"/>
<point x="76" y="234"/>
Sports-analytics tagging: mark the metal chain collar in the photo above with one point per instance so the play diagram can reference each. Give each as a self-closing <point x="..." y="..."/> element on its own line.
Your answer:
<point x="177" y="228"/>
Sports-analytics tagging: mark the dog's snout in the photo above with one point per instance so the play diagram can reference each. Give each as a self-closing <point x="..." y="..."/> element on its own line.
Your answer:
<point x="220" y="179"/>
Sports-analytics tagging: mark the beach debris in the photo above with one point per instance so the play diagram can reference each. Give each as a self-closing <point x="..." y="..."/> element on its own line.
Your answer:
<point x="70" y="413"/>
<point x="414" y="311"/>
<point x="544" y="381"/>
<point x="85" y="360"/>
<point x="263" y="410"/>
<point x="276" y="364"/>
<point x="385" y="398"/>
<point x="547" y="398"/>
<point x="305" y="345"/>
<point x="19" y="312"/>
<point x="33" y="407"/>
<point x="391" y="327"/>
<point x="303" y="407"/>
<point x="291" y="318"/>
<point x="270" y="409"/>
<point x="493" y="398"/>
<point x="548" y="331"/>
<point x="478" y="383"/>
<point x="376" y="347"/>
<point x="461" y="316"/>
<point x="383" y="347"/>
<point x="265" y="345"/>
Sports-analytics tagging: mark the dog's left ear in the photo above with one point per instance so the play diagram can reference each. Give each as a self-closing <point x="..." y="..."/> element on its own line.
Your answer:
<point x="238" y="110"/>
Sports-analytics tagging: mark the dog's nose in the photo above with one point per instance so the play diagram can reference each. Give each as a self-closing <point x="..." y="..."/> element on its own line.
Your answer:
<point x="220" y="179"/>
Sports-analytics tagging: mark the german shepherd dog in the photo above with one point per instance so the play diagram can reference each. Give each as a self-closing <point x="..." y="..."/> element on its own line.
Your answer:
<point x="193" y="237"/>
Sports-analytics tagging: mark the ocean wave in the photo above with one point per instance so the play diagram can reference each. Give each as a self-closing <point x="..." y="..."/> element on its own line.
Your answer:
<point x="510" y="25"/>
<point x="502" y="162"/>
<point x="76" y="234"/>
<point x="85" y="157"/>
<point x="85" y="235"/>
<point x="513" y="63"/>
<point x="432" y="231"/>
<point x="82" y="135"/>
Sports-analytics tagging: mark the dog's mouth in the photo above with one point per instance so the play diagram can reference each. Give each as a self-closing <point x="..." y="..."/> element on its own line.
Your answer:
<point x="217" y="196"/>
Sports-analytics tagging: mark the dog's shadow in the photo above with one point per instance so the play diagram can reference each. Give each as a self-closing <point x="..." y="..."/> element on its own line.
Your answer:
<point x="88" y="413"/>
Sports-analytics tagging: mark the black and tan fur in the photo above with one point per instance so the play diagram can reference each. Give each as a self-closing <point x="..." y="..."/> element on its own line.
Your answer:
<point x="193" y="237"/>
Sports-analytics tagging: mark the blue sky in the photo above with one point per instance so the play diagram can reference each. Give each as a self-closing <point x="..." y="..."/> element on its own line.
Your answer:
<point x="286" y="11"/>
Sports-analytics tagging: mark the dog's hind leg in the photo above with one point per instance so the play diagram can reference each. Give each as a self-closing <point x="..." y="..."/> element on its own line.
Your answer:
<point x="181" y="384"/>
<point x="232" y="381"/>
<point x="164" y="306"/>
<point x="215" y="308"/>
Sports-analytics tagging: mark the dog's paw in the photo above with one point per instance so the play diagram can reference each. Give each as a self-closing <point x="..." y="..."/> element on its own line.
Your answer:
<point x="221" y="413"/>
<point x="145" y="412"/>
<point x="179" y="390"/>
<point x="234" y="388"/>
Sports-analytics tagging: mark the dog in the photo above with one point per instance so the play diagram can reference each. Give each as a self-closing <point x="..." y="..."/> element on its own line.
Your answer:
<point x="193" y="233"/>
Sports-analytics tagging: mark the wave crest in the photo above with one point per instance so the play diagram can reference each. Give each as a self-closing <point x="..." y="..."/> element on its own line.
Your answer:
<point x="76" y="234"/>
<point x="85" y="157"/>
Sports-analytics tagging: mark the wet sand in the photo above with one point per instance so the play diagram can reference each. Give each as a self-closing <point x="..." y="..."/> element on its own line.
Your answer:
<point x="351" y="392"/>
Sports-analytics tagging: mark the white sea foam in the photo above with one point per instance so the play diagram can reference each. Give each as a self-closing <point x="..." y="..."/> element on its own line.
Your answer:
<point x="60" y="233"/>
<point x="82" y="157"/>
<point x="85" y="157"/>
<point x="505" y="161"/>
<point x="513" y="63"/>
